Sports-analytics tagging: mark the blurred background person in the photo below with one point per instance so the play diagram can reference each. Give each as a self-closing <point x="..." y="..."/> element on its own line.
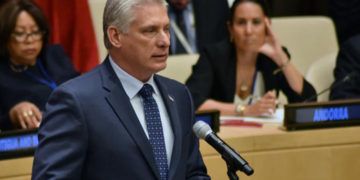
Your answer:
<point x="195" y="23"/>
<point x="244" y="74"/>
<point x="347" y="65"/>
<point x="29" y="68"/>
<point x="346" y="17"/>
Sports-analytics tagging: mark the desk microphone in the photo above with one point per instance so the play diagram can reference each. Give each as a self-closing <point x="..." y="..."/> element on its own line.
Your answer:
<point x="345" y="79"/>
<point x="203" y="131"/>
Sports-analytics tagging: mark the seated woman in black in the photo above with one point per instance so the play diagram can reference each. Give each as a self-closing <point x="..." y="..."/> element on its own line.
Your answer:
<point x="29" y="69"/>
<point x="243" y="76"/>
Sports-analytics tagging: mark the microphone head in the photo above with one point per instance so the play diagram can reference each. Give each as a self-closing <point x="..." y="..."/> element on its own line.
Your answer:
<point x="201" y="129"/>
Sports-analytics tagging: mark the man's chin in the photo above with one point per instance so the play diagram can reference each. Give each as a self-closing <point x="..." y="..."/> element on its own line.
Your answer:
<point x="160" y="67"/>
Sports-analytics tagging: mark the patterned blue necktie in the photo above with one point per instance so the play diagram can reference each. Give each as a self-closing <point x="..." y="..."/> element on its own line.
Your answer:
<point x="154" y="127"/>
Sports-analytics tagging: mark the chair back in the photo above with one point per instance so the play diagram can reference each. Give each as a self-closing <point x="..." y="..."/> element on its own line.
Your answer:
<point x="307" y="38"/>
<point x="97" y="9"/>
<point x="320" y="74"/>
<point x="179" y="67"/>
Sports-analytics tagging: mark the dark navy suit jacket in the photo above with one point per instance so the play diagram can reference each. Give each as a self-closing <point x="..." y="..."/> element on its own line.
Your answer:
<point x="210" y="20"/>
<point x="90" y="131"/>
<point x="347" y="62"/>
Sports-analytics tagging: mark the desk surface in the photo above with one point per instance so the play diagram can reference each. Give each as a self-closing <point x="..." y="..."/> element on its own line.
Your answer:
<point x="321" y="154"/>
<point x="273" y="136"/>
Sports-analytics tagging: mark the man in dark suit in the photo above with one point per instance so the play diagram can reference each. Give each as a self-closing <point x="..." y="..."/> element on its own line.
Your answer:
<point x="347" y="65"/>
<point x="346" y="17"/>
<point x="121" y="120"/>
<point x="200" y="22"/>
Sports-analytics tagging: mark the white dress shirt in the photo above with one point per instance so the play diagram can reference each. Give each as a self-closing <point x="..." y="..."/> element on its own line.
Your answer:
<point x="132" y="86"/>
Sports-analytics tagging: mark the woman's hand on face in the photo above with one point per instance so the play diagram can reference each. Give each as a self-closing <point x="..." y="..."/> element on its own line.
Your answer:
<point x="25" y="115"/>
<point x="272" y="47"/>
<point x="263" y="107"/>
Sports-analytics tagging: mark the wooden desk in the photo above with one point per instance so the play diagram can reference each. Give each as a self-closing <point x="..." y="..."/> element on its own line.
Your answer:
<point x="323" y="154"/>
<point x="16" y="169"/>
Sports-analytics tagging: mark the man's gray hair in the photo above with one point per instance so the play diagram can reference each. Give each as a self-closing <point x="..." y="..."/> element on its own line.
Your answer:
<point x="120" y="13"/>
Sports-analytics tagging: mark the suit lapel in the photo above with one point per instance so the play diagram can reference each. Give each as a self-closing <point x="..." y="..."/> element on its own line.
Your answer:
<point x="170" y="103"/>
<point x="121" y="105"/>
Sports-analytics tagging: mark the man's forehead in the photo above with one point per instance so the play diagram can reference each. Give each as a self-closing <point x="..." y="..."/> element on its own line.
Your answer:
<point x="150" y="14"/>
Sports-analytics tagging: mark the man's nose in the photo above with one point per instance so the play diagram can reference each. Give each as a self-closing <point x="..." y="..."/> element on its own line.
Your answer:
<point x="164" y="39"/>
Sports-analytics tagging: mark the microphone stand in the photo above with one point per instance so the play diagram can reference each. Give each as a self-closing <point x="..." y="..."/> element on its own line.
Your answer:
<point x="233" y="160"/>
<point x="231" y="168"/>
<point x="231" y="172"/>
<point x="347" y="78"/>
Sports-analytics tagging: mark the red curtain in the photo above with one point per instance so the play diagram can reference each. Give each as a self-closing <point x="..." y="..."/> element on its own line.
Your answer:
<point x="71" y="26"/>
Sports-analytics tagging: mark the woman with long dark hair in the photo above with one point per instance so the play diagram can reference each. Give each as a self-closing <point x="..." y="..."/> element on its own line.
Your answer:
<point x="244" y="74"/>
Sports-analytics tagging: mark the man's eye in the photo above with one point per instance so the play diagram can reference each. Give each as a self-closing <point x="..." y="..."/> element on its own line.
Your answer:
<point x="150" y="30"/>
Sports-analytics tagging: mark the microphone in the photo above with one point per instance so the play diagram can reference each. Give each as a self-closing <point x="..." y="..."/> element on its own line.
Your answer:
<point x="345" y="79"/>
<point x="203" y="131"/>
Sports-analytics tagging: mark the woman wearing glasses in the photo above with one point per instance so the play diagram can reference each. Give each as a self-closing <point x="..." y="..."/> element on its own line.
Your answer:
<point x="29" y="68"/>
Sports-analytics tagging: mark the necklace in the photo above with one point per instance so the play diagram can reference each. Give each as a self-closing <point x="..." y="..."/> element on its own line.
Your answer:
<point x="243" y="90"/>
<point x="18" y="68"/>
<point x="243" y="87"/>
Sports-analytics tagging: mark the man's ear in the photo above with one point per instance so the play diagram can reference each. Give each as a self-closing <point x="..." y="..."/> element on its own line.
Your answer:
<point x="114" y="36"/>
